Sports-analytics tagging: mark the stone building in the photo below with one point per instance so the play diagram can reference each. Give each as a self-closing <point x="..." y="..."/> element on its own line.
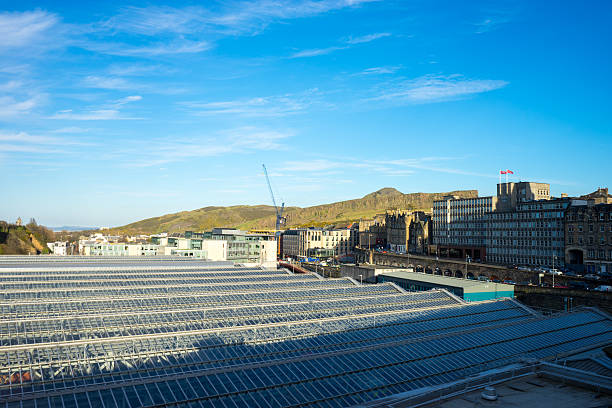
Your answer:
<point x="373" y="232"/>
<point x="588" y="235"/>
<point x="419" y="233"/>
<point x="408" y="231"/>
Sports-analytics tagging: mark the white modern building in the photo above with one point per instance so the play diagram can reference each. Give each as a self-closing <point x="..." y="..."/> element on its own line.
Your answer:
<point x="58" y="248"/>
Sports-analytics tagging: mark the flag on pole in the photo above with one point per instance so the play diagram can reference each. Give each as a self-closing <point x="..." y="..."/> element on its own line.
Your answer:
<point x="503" y="172"/>
<point x="509" y="172"/>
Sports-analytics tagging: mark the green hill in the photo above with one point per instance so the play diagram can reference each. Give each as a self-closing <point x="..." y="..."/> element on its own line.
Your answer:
<point x="263" y="216"/>
<point x="30" y="239"/>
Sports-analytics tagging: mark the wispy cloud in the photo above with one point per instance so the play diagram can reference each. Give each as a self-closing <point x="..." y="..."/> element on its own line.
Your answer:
<point x="195" y="29"/>
<point x="24" y="29"/>
<point x="241" y="140"/>
<point x="176" y="46"/>
<point x="367" y="38"/>
<point x="106" y="82"/>
<point x="70" y="129"/>
<point x="27" y="143"/>
<point x="316" y="52"/>
<point x="379" y="70"/>
<point x="108" y="111"/>
<point x="347" y="43"/>
<point x="11" y="107"/>
<point x="434" y="88"/>
<point x="128" y="99"/>
<point x="268" y="106"/>
<point x="327" y="169"/>
<point x="495" y="18"/>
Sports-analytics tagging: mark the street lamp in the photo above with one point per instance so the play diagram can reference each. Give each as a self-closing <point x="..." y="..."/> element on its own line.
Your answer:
<point x="361" y="279"/>
<point x="553" y="270"/>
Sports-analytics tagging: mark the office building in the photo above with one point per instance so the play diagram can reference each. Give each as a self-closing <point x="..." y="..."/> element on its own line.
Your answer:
<point x="320" y="242"/>
<point x="531" y="234"/>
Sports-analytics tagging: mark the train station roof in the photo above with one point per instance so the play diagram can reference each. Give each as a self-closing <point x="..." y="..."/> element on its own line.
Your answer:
<point x="224" y="335"/>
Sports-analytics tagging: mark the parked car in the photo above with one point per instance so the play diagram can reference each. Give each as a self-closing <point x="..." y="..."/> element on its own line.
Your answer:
<point x="603" y="288"/>
<point x="555" y="272"/>
<point x="509" y="282"/>
<point x="578" y="285"/>
<point x="592" y="276"/>
<point x="571" y="274"/>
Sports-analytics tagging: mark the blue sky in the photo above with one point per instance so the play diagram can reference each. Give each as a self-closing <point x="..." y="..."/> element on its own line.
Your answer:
<point x="119" y="111"/>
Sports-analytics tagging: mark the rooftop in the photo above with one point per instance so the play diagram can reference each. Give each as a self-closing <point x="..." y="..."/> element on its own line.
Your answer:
<point x="468" y="285"/>
<point x="185" y="333"/>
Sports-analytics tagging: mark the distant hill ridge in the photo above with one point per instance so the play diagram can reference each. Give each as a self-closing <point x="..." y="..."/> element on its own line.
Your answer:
<point x="263" y="216"/>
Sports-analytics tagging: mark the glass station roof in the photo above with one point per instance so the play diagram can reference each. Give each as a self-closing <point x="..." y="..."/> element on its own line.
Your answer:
<point x="133" y="333"/>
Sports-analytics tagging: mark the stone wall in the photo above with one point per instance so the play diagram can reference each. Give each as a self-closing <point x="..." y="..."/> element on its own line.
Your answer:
<point x="562" y="299"/>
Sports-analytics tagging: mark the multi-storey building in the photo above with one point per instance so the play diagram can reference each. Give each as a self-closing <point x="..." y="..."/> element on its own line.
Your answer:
<point x="316" y="242"/>
<point x="460" y="224"/>
<point x="459" y="227"/>
<point x="408" y="231"/>
<point x="373" y="232"/>
<point x="419" y="233"/>
<point x="510" y="194"/>
<point x="120" y="249"/>
<point x="531" y="234"/>
<point x="588" y="236"/>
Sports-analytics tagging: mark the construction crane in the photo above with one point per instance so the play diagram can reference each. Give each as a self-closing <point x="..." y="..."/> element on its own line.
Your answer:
<point x="279" y="211"/>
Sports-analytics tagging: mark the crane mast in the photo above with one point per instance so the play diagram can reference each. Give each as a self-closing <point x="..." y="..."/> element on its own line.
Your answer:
<point x="279" y="211"/>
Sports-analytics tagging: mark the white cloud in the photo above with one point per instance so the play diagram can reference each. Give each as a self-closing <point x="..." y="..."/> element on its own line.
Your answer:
<point x="99" y="114"/>
<point x="194" y="29"/>
<point x="102" y="82"/>
<point x="177" y="46"/>
<point x="28" y="143"/>
<point x="25" y="29"/>
<point x="70" y="129"/>
<point x="367" y="38"/>
<point x="268" y="106"/>
<point x="434" y="88"/>
<point x="128" y="99"/>
<point x="350" y="42"/>
<point x="379" y="70"/>
<point x="10" y="107"/>
<point x="316" y="52"/>
<point x="235" y="141"/>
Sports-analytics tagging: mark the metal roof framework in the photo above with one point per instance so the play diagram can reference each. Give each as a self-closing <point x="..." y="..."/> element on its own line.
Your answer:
<point x="210" y="337"/>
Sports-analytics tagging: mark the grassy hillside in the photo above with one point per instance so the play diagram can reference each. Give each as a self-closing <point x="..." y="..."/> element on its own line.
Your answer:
<point x="199" y="220"/>
<point x="30" y="239"/>
<point x="263" y="216"/>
